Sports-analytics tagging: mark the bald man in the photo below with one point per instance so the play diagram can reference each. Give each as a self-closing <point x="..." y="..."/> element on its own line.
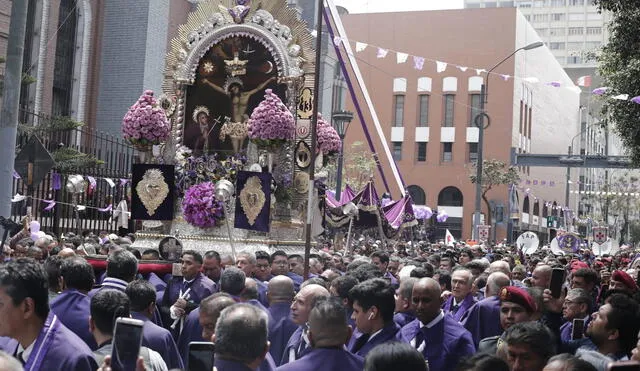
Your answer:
<point x="328" y="332"/>
<point x="439" y="337"/>
<point x="541" y="276"/>
<point x="299" y="344"/>
<point x="280" y="295"/>
<point x="66" y="252"/>
<point x="483" y="319"/>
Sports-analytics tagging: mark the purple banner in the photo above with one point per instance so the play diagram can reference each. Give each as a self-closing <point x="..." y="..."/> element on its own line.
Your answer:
<point x="253" y="201"/>
<point x="400" y="213"/>
<point x="56" y="181"/>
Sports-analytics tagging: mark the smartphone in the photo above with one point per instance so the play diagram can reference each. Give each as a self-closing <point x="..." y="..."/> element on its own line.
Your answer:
<point x="577" y="331"/>
<point x="557" y="279"/>
<point x="624" y="366"/>
<point x="200" y="356"/>
<point x="126" y="343"/>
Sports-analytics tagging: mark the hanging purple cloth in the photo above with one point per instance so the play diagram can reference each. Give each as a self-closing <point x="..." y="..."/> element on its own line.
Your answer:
<point x="400" y="213"/>
<point x="247" y="196"/>
<point x="56" y="181"/>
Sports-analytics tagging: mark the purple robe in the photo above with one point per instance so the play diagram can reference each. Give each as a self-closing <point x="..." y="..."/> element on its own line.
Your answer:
<point x="467" y="303"/>
<point x="224" y="365"/>
<point x="267" y="364"/>
<point x="159" y="339"/>
<point x="191" y="331"/>
<point x="159" y="284"/>
<point x="483" y="319"/>
<point x="297" y="280"/>
<point x="402" y="318"/>
<point x="388" y="333"/>
<point x="201" y="287"/>
<point x="56" y="349"/>
<point x="72" y="308"/>
<point x="322" y="359"/>
<point x="446" y="342"/>
<point x="297" y="343"/>
<point x="262" y="293"/>
<point x="567" y="328"/>
<point x="394" y="281"/>
<point x="280" y="336"/>
<point x="279" y="311"/>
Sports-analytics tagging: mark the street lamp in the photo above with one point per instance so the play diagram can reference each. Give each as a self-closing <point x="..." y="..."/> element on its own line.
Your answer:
<point x="341" y="120"/>
<point x="479" y="122"/>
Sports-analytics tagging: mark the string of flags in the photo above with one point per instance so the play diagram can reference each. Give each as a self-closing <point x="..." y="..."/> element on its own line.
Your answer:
<point x="56" y="181"/>
<point x="52" y="203"/>
<point x="441" y="66"/>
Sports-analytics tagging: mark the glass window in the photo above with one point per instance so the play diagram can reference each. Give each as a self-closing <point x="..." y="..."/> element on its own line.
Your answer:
<point x="594" y="30"/>
<point x="540" y="17"/>
<point x="593" y="44"/>
<point x="63" y="67"/>
<point x="558" y="2"/>
<point x="576" y="2"/>
<point x="397" y="151"/>
<point x="575" y="46"/>
<point x="507" y="4"/>
<point x="473" y="152"/>
<point x="557" y="31"/>
<point x="556" y="46"/>
<point x="421" y="156"/>
<point x="574" y="59"/>
<point x="490" y="4"/>
<point x="475" y="103"/>
<point x="423" y="110"/>
<point x="448" y="110"/>
<point x="538" y="4"/>
<point x="561" y="60"/>
<point x="576" y="30"/>
<point x="557" y="17"/>
<point x="398" y="110"/>
<point x="525" y="4"/>
<point x="447" y="152"/>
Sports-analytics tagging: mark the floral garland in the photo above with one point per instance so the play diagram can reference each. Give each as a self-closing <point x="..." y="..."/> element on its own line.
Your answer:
<point x="200" y="206"/>
<point x="146" y="123"/>
<point x="233" y="129"/>
<point x="271" y="123"/>
<point x="191" y="170"/>
<point x="328" y="139"/>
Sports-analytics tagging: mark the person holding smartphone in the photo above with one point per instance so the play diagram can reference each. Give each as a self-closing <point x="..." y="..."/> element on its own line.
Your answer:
<point x="576" y="306"/>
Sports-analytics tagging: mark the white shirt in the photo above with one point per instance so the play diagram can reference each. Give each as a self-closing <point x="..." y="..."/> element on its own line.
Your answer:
<point x="374" y="334"/>
<point x="433" y="322"/>
<point x="26" y="352"/>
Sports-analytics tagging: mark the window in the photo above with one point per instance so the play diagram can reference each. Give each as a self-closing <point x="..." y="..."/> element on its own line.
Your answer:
<point x="576" y="2"/>
<point x="507" y="4"/>
<point x="561" y="60"/>
<point x="448" y="110"/>
<point x="594" y="16"/>
<point x="576" y="31"/>
<point x="447" y="152"/>
<point x="472" y="5"/>
<point x="397" y="151"/>
<point x="593" y="45"/>
<point x="542" y="31"/>
<point x="538" y="4"/>
<point x="398" y="110"/>
<point x="557" y="31"/>
<point x="475" y="104"/>
<point x="574" y="59"/>
<point x="558" y="2"/>
<point x="490" y="4"/>
<point x="525" y="4"/>
<point x="594" y="30"/>
<point x="423" y="110"/>
<point x="576" y="16"/>
<point x="63" y="68"/>
<point x="556" y="46"/>
<point x="540" y="17"/>
<point x="557" y="17"/>
<point x="421" y="149"/>
<point x="527" y="17"/>
<point x="473" y="152"/>
<point x="575" y="46"/>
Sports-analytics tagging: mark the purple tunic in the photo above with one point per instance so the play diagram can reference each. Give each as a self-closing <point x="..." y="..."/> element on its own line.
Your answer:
<point x="321" y="359"/>
<point x="201" y="287"/>
<point x="467" y="303"/>
<point x="280" y="336"/>
<point x="392" y="279"/>
<point x="262" y="293"/>
<point x="483" y="319"/>
<point x="224" y="365"/>
<point x="72" y="308"/>
<point x="279" y="311"/>
<point x="446" y="342"/>
<point x="388" y="333"/>
<point x="297" y="343"/>
<point x="402" y="318"/>
<point x="297" y="280"/>
<point x="191" y="331"/>
<point x="159" y="339"/>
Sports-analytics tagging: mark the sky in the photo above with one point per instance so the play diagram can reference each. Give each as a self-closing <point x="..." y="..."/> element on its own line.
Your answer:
<point x="375" y="6"/>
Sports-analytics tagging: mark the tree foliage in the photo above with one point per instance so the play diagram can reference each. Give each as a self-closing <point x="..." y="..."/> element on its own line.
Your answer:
<point x="494" y="173"/>
<point x="359" y="166"/>
<point x="619" y="66"/>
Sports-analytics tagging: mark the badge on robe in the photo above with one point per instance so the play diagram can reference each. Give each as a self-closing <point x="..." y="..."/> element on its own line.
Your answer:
<point x="253" y="201"/>
<point x="152" y="196"/>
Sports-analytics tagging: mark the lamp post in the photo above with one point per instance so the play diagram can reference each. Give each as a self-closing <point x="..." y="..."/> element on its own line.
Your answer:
<point x="479" y="122"/>
<point x="341" y="120"/>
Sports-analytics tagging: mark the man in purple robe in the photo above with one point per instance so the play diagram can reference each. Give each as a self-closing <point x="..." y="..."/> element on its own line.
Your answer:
<point x="122" y="267"/>
<point x="404" y="310"/>
<point x="191" y="331"/>
<point x="280" y="266"/>
<point x="483" y="318"/>
<point x="461" y="298"/>
<point x="328" y="332"/>
<point x="212" y="266"/>
<point x="340" y="288"/>
<point x="262" y="272"/>
<point x="72" y="304"/>
<point x="280" y="296"/>
<point x="43" y="342"/>
<point x="142" y="297"/>
<point x="299" y="344"/>
<point x="183" y="294"/>
<point x="439" y="337"/>
<point x="373" y="305"/>
<point x="246" y="261"/>
<point x="381" y="260"/>
<point x="576" y="305"/>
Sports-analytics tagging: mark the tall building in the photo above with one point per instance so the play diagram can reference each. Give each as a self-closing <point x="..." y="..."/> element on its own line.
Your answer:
<point x="427" y="116"/>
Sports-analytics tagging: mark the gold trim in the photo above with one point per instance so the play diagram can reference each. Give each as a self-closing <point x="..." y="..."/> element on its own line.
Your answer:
<point x="252" y="199"/>
<point x="140" y="235"/>
<point x="152" y="178"/>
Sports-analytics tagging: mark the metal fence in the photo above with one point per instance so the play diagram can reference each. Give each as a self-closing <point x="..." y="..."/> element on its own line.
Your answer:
<point x="117" y="156"/>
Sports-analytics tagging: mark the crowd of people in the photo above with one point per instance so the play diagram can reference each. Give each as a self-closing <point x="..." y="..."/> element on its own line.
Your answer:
<point x="428" y="307"/>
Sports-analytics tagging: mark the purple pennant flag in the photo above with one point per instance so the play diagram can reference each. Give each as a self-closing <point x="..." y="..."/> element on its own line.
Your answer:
<point x="382" y="52"/>
<point x="400" y="214"/>
<point x="528" y="182"/>
<point x="56" y="181"/>
<point x="92" y="182"/>
<point x="108" y="208"/>
<point x="124" y="181"/>
<point x="16" y="175"/>
<point x="535" y="182"/>
<point x="552" y="184"/>
<point x="418" y="63"/>
<point x="544" y="182"/>
<point x="505" y="77"/>
<point x="442" y="216"/>
<point x="636" y="100"/>
<point x="367" y="199"/>
<point x="50" y="204"/>
<point x="555" y="84"/>
<point x="600" y="91"/>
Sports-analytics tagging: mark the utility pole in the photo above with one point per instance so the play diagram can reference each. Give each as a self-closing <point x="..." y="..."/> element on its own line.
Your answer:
<point x="11" y="101"/>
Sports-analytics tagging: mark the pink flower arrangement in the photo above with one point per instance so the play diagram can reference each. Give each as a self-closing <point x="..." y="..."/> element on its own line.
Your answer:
<point x="146" y="123"/>
<point x="200" y="206"/>
<point x="271" y="123"/>
<point x="328" y="139"/>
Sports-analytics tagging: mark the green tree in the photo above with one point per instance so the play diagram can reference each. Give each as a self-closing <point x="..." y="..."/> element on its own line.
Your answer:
<point x="359" y="166"/>
<point x="619" y="66"/>
<point x="494" y="173"/>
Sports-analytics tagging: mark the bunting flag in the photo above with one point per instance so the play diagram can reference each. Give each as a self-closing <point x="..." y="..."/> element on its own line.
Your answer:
<point x="441" y="66"/>
<point x="92" y="184"/>
<point x="600" y="91"/>
<point x="123" y="181"/>
<point x="337" y="40"/>
<point x="479" y="71"/>
<point x="402" y="57"/>
<point x="463" y="68"/>
<point x="50" y="205"/>
<point x="418" y="63"/>
<point x="382" y="53"/>
<point x="16" y="175"/>
<point x="555" y="84"/>
<point x="108" y="208"/>
<point x="360" y="47"/>
<point x="584" y="81"/>
<point x="110" y="182"/>
<point x="636" y="99"/>
<point x="505" y="77"/>
<point x="56" y="181"/>
<point x="448" y="239"/>
<point x="621" y="97"/>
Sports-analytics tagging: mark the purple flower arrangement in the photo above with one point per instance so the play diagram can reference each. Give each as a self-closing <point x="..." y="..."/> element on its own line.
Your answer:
<point x="146" y="123"/>
<point x="328" y="139"/>
<point x="271" y="123"/>
<point x="200" y="206"/>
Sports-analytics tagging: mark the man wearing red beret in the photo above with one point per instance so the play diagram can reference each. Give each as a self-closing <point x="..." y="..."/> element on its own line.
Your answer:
<point x="620" y="280"/>
<point x="516" y="306"/>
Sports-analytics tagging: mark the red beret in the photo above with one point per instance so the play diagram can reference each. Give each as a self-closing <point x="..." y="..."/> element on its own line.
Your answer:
<point x="577" y="264"/>
<point x="519" y="296"/>
<point x="625" y="278"/>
